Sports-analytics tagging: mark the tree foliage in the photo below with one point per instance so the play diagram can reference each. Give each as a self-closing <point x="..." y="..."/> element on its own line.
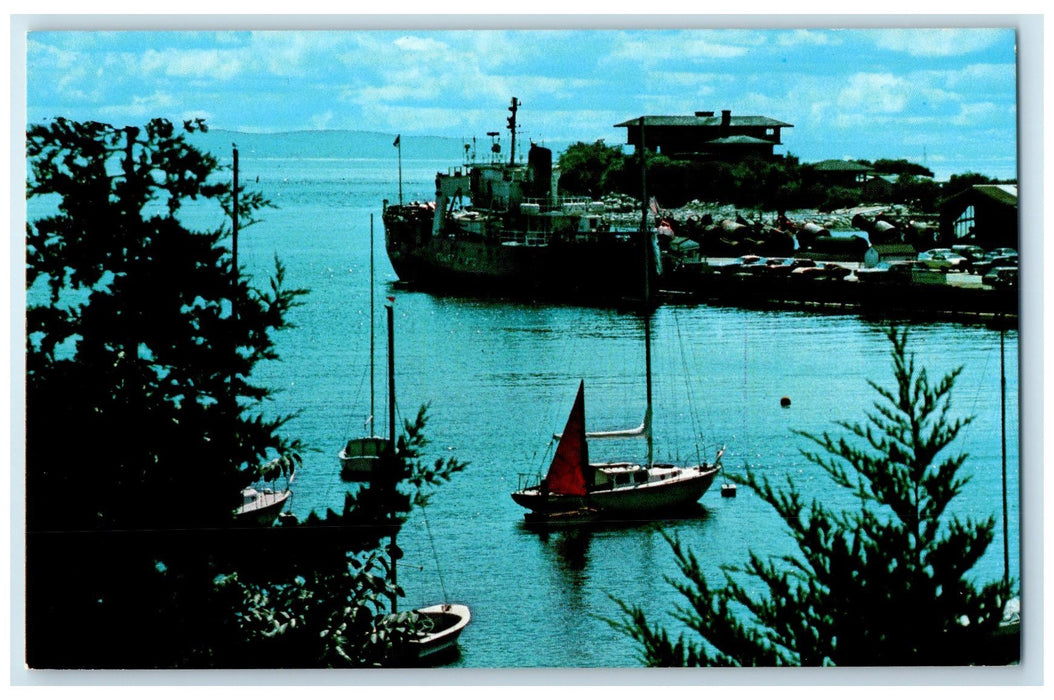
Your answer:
<point x="964" y="181"/>
<point x="591" y="169"/>
<point x="899" y="166"/>
<point x="140" y="350"/>
<point x="143" y="425"/>
<point x="781" y="184"/>
<point x="887" y="584"/>
<point x="332" y="605"/>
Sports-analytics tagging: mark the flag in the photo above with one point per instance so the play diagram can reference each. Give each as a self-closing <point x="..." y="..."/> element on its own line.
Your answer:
<point x="396" y="142"/>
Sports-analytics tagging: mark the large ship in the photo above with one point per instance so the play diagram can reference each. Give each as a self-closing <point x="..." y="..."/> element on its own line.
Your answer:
<point x="499" y="226"/>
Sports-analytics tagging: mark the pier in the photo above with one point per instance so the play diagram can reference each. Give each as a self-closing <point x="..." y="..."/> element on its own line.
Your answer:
<point x="955" y="296"/>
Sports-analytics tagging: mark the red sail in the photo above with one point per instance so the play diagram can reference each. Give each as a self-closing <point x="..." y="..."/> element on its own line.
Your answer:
<point x="567" y="473"/>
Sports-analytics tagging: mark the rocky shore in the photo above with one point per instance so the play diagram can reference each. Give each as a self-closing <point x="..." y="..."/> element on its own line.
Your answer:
<point x="625" y="212"/>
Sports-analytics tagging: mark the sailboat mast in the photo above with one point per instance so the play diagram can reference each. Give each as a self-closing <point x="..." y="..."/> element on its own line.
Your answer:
<point x="372" y="359"/>
<point x="647" y="364"/>
<point x="394" y="553"/>
<point x="646" y="243"/>
<point x="391" y="374"/>
<point x="234" y="217"/>
<point x="1002" y="383"/>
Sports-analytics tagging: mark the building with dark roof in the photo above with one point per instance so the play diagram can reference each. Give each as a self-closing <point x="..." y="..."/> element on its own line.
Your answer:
<point x="984" y="215"/>
<point x="706" y="136"/>
<point x="842" y="173"/>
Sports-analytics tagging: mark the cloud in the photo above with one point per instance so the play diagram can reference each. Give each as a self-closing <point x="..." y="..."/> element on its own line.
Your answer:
<point x="875" y="93"/>
<point x="806" y="37"/>
<point x="143" y="107"/>
<point x="938" y="42"/>
<point x="218" y="64"/>
<point x="650" y="49"/>
<point x="322" y="121"/>
<point x="422" y="45"/>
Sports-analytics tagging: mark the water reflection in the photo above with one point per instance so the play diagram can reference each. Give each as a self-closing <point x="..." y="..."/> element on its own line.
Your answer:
<point x="569" y="540"/>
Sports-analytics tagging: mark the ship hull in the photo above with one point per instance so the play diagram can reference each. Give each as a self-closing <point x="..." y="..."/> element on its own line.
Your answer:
<point x="604" y="267"/>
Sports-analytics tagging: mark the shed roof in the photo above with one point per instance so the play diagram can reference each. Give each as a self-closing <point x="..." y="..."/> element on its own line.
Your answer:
<point x="702" y="121"/>
<point x="1003" y="194"/>
<point x="840" y="166"/>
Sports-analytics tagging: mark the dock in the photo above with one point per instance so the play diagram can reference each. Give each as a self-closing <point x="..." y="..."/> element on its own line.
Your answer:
<point x="956" y="296"/>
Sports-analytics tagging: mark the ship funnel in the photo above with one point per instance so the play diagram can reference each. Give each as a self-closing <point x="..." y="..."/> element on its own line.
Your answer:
<point x="540" y="171"/>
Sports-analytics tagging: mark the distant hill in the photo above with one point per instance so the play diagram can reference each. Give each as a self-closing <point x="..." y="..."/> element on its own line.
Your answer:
<point x="329" y="144"/>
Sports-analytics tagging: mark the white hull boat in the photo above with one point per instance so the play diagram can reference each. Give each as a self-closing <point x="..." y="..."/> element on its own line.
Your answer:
<point x="441" y="626"/>
<point x="261" y="507"/>
<point x="611" y="489"/>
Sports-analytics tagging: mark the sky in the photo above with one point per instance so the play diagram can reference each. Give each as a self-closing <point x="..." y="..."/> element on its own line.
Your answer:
<point x="945" y="98"/>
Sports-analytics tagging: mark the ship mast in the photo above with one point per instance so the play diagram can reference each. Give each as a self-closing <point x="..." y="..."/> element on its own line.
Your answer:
<point x="512" y="130"/>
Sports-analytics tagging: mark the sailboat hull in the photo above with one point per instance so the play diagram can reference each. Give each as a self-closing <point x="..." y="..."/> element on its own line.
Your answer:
<point x="359" y="458"/>
<point x="261" y="507"/>
<point x="643" y="491"/>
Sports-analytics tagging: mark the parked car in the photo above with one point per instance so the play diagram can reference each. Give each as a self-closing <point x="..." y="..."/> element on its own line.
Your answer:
<point x="894" y="271"/>
<point x="1001" y="277"/>
<point x="753" y="266"/>
<point x="736" y="265"/>
<point x="1000" y="252"/>
<point x="822" y="270"/>
<point x="783" y="266"/>
<point x="942" y="259"/>
<point x="983" y="267"/>
<point x="972" y="253"/>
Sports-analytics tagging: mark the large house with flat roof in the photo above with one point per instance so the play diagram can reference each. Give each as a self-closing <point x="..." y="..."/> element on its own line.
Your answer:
<point x="706" y="136"/>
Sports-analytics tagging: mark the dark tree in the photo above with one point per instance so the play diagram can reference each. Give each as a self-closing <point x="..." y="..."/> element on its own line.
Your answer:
<point x="964" y="181"/>
<point x="143" y="426"/>
<point x="591" y="169"/>
<point x="330" y="604"/>
<point x="900" y="166"/>
<point x="140" y="342"/>
<point x="887" y="584"/>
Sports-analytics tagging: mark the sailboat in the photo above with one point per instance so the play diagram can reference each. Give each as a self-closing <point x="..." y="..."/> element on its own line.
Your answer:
<point x="262" y="506"/>
<point x="438" y="626"/>
<point x="360" y="455"/>
<point x="574" y="488"/>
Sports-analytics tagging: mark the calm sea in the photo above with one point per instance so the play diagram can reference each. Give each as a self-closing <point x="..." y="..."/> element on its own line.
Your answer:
<point x="500" y="377"/>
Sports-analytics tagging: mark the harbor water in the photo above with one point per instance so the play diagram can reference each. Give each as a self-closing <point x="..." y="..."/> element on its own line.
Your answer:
<point x="499" y="378"/>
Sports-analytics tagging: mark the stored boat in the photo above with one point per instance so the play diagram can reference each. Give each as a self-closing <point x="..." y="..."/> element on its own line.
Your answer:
<point x="499" y="226"/>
